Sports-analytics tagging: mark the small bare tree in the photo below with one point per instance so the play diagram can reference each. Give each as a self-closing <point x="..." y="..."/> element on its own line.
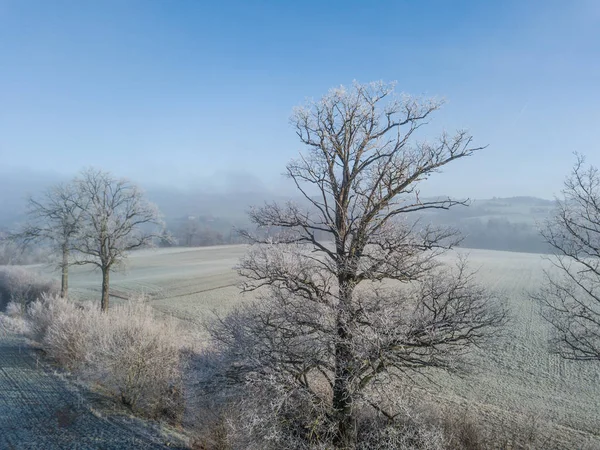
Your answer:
<point x="116" y="219"/>
<point x="327" y="328"/>
<point x="188" y="230"/>
<point x="55" y="219"/>
<point x="571" y="293"/>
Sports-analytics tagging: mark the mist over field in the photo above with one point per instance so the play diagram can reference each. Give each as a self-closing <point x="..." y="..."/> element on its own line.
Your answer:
<point x="221" y="203"/>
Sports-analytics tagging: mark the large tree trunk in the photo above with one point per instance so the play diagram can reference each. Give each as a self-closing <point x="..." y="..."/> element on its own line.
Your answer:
<point x="105" y="286"/>
<point x="342" y="395"/>
<point x="342" y="399"/>
<point x="64" y="282"/>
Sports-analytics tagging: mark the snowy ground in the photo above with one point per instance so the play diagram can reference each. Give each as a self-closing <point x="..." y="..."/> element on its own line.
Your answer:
<point x="518" y="374"/>
<point x="41" y="409"/>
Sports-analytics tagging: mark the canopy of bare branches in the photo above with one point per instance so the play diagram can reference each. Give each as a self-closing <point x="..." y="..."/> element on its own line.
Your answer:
<point x="571" y="295"/>
<point x="55" y="220"/>
<point x="116" y="219"/>
<point x="95" y="219"/>
<point x="341" y="316"/>
<point x="114" y="216"/>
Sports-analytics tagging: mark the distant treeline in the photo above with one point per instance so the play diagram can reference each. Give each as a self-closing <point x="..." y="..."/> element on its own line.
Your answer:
<point x="201" y="231"/>
<point x="509" y="224"/>
<point x="13" y="254"/>
<point x="496" y="233"/>
<point x="496" y="224"/>
<point x="501" y="234"/>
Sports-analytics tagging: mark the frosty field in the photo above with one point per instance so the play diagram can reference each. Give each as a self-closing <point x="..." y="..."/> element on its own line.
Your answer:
<point x="518" y="380"/>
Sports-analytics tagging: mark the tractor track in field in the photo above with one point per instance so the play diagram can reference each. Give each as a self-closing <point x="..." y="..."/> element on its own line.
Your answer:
<point x="42" y="409"/>
<point x="194" y="292"/>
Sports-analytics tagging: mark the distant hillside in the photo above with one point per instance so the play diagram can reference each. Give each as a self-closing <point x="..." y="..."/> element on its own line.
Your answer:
<point x="497" y="223"/>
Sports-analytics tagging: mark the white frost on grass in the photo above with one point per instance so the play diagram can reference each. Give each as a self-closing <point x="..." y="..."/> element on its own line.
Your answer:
<point x="517" y="374"/>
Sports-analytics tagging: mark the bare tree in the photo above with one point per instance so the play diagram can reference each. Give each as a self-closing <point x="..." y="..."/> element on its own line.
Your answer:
<point x="55" y="219"/>
<point x="116" y="219"/>
<point x="188" y="230"/>
<point x="326" y="318"/>
<point x="571" y="293"/>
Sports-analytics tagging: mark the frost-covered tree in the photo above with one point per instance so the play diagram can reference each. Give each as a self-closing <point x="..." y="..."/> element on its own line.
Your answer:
<point x="188" y="230"/>
<point x="571" y="293"/>
<point x="54" y="218"/>
<point x="339" y="320"/>
<point x="116" y="218"/>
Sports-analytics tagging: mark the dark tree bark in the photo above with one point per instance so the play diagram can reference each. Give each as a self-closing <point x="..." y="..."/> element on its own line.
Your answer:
<point x="64" y="284"/>
<point x="104" y="304"/>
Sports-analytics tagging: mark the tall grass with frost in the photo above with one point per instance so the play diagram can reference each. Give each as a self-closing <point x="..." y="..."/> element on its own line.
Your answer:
<point x="128" y="350"/>
<point x="19" y="285"/>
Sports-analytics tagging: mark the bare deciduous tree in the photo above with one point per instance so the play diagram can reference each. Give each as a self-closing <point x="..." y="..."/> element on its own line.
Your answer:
<point x="338" y="320"/>
<point x="54" y="219"/>
<point x="571" y="293"/>
<point x="188" y="230"/>
<point x="116" y="219"/>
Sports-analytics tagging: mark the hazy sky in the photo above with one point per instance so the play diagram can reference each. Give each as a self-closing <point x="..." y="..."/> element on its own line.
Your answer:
<point x="190" y="92"/>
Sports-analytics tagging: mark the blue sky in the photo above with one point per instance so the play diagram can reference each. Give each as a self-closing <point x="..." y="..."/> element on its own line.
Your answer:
<point x="188" y="93"/>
